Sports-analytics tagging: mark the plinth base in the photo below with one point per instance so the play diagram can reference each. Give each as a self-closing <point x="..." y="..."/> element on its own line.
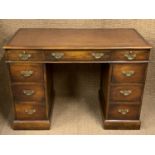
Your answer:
<point x="31" y="125"/>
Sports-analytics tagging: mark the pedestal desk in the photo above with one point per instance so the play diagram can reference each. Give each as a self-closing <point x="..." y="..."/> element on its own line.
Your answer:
<point x="122" y="53"/>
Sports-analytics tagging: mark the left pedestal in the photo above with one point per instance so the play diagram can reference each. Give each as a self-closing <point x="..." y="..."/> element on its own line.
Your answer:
<point x="32" y="92"/>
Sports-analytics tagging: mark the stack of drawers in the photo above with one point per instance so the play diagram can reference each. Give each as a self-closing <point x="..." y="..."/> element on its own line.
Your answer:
<point x="28" y="83"/>
<point x="125" y="90"/>
<point x="28" y="91"/>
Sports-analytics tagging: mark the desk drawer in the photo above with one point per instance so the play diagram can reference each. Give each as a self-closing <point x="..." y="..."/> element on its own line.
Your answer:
<point x="77" y="55"/>
<point x="27" y="72"/>
<point x="24" y="55"/>
<point x="28" y="92"/>
<point x="126" y="92"/>
<point x="124" y="111"/>
<point x="30" y="112"/>
<point x="130" y="55"/>
<point x="128" y="73"/>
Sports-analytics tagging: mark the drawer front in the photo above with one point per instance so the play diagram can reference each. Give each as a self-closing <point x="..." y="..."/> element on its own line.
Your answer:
<point x="26" y="72"/>
<point x="129" y="73"/>
<point x="130" y="55"/>
<point x="126" y="93"/>
<point x="24" y="55"/>
<point x="124" y="112"/>
<point x="28" y="92"/>
<point x="30" y="112"/>
<point x="77" y="55"/>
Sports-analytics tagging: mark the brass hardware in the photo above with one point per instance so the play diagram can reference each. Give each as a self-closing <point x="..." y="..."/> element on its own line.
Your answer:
<point x="27" y="73"/>
<point x="97" y="55"/>
<point x="123" y="111"/>
<point x="126" y="92"/>
<point x="30" y="111"/>
<point x="28" y="92"/>
<point x="130" y="55"/>
<point x="128" y="73"/>
<point x="24" y="55"/>
<point x="57" y="55"/>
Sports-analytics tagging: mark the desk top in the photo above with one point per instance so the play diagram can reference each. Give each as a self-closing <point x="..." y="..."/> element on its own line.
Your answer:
<point x="48" y="38"/>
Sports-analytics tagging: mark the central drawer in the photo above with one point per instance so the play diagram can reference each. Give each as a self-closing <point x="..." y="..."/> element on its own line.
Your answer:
<point x="28" y="92"/>
<point x="77" y="55"/>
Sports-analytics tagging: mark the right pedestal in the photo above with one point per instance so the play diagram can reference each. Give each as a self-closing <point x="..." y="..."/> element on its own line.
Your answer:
<point x="121" y="92"/>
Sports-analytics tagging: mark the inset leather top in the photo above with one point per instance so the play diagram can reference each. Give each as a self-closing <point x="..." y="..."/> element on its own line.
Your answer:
<point x="49" y="38"/>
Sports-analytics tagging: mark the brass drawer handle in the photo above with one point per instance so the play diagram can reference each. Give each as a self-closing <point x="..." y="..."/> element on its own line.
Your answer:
<point x="98" y="55"/>
<point x="57" y="55"/>
<point x="28" y="92"/>
<point x="24" y="55"/>
<point x="123" y="111"/>
<point x="126" y="92"/>
<point x="30" y="111"/>
<point x="130" y="55"/>
<point x="128" y="73"/>
<point x="27" y="73"/>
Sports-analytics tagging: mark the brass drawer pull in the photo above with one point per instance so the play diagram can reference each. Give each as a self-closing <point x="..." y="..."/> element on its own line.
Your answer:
<point x="28" y="92"/>
<point x="27" y="73"/>
<point x="123" y="111"/>
<point x="130" y="55"/>
<point x="57" y="55"/>
<point x="24" y="55"/>
<point x="98" y="55"/>
<point x="126" y="92"/>
<point x="128" y="73"/>
<point x="30" y="111"/>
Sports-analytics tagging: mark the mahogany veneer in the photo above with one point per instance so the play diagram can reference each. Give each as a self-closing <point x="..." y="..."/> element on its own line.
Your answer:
<point x="122" y="53"/>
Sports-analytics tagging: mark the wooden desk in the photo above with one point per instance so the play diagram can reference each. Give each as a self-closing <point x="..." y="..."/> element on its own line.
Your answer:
<point x="122" y="53"/>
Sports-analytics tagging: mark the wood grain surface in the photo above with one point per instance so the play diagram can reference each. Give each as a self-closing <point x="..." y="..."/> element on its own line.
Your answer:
<point x="145" y="27"/>
<point x="76" y="39"/>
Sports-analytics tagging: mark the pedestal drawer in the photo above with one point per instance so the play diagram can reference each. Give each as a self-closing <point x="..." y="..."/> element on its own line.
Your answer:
<point x="26" y="72"/>
<point x="126" y="92"/>
<point x="124" y="111"/>
<point x="30" y="112"/>
<point x="129" y="73"/>
<point x="100" y="55"/>
<point x="28" y="92"/>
